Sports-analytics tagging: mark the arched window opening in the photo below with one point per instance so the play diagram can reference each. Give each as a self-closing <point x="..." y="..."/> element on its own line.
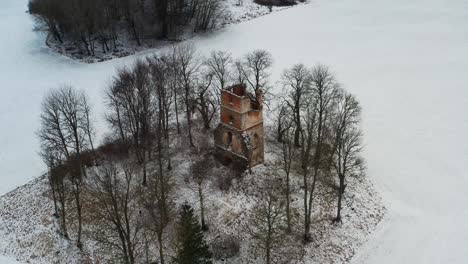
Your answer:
<point x="229" y="138"/>
<point x="255" y="140"/>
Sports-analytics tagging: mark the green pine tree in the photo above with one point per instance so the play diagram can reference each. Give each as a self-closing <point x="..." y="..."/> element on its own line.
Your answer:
<point x="191" y="247"/>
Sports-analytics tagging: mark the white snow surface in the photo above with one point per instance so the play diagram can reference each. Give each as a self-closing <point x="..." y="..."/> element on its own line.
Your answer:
<point x="406" y="61"/>
<point x="5" y="260"/>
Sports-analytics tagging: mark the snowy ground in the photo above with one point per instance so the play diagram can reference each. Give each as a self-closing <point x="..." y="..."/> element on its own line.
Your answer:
<point x="405" y="60"/>
<point x="7" y="260"/>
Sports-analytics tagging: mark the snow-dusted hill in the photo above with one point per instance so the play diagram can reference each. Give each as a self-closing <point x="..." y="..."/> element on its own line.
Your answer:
<point x="405" y="60"/>
<point x="30" y="234"/>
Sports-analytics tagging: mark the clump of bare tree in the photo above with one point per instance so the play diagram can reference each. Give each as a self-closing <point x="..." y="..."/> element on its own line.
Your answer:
<point x="207" y="13"/>
<point x="66" y="139"/>
<point x="132" y="108"/>
<point x="116" y="207"/>
<point x="93" y="25"/>
<point x="318" y="128"/>
<point x="269" y="226"/>
<point x="128" y="186"/>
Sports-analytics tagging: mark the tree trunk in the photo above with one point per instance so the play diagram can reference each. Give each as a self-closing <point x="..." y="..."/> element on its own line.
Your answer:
<point x="288" y="213"/>
<point x="268" y="240"/>
<point x="202" y="209"/>
<point x="119" y="122"/>
<point x="298" y="126"/>
<point x="189" y="116"/>
<point x="306" y="208"/>
<point x="85" y="43"/>
<point x="340" y="198"/>
<point x="64" y="212"/>
<point x="279" y="132"/>
<point x="144" y="169"/>
<point x="161" y="250"/>
<point x="176" y="112"/>
<point x="54" y="195"/>
<point x="78" y="211"/>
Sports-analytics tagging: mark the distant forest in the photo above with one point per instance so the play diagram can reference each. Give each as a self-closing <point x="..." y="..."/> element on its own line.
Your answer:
<point x="101" y="24"/>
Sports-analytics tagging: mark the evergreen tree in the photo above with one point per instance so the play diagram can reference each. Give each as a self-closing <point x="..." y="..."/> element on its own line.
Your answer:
<point x="191" y="247"/>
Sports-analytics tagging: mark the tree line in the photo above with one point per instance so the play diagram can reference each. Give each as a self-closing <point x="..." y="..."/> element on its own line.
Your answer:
<point x="98" y="24"/>
<point x="163" y="103"/>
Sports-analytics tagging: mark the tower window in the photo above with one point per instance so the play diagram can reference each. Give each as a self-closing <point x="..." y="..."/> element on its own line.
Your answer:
<point x="255" y="140"/>
<point x="231" y="120"/>
<point x="229" y="138"/>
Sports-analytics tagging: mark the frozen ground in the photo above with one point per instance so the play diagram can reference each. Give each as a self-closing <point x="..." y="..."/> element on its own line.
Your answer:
<point x="405" y="60"/>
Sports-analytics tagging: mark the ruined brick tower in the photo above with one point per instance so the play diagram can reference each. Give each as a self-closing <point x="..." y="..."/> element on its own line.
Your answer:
<point x="239" y="136"/>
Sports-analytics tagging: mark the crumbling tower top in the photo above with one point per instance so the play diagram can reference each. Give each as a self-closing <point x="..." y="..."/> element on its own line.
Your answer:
<point x="239" y="136"/>
<point x="240" y="109"/>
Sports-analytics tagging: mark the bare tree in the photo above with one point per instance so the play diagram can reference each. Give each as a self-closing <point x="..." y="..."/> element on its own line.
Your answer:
<point x="289" y="153"/>
<point x="87" y="126"/>
<point x="50" y="159"/>
<point x="114" y="194"/>
<point x="200" y="161"/>
<point x="348" y="146"/>
<point x="160" y="68"/>
<point x="156" y="198"/>
<point x="65" y="128"/>
<point x="114" y="116"/>
<point x="219" y="64"/>
<point x="282" y="121"/>
<point x="52" y="132"/>
<point x="285" y="130"/>
<point x="207" y="14"/>
<point x="267" y="224"/>
<point x="73" y="107"/>
<point x="198" y="170"/>
<point x="307" y="142"/>
<point x="188" y="62"/>
<point x="205" y="99"/>
<point x="297" y="83"/>
<point x="239" y="72"/>
<point x="56" y="175"/>
<point x="256" y="70"/>
<point x="174" y="81"/>
<point x="54" y="151"/>
<point x="322" y="98"/>
<point x="132" y="101"/>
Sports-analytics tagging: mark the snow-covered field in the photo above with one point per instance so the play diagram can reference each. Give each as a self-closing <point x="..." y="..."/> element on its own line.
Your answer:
<point x="406" y="61"/>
